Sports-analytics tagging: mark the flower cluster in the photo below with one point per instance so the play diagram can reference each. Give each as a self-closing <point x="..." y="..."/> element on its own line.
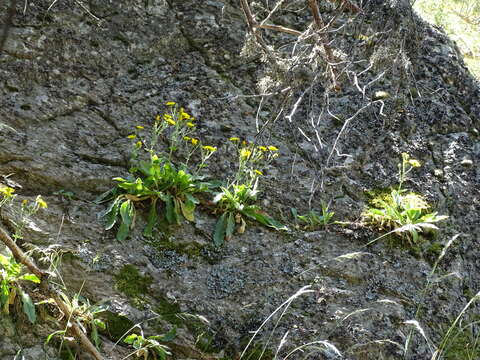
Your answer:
<point x="252" y="159"/>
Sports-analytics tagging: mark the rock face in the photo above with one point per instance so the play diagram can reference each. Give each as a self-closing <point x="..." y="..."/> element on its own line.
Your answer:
<point x="75" y="80"/>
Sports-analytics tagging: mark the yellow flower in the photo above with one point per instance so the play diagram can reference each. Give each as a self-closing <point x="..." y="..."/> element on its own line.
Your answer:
<point x="41" y="203"/>
<point x="190" y="124"/>
<point x="170" y="103"/>
<point x="244" y="142"/>
<point x="263" y="148"/>
<point x="170" y="121"/>
<point x="138" y="144"/>
<point x="24" y="202"/>
<point x="210" y="148"/>
<point x="258" y="172"/>
<point x="414" y="163"/>
<point x="184" y="115"/>
<point x="158" y="118"/>
<point x="140" y="127"/>
<point x="234" y="139"/>
<point x="132" y="136"/>
<point x="194" y="141"/>
<point x="167" y="116"/>
<point x="187" y="138"/>
<point x="272" y="148"/>
<point x="7" y="191"/>
<point x="245" y="154"/>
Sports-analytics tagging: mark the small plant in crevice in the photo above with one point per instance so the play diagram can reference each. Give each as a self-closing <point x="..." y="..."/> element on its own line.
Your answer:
<point x="11" y="276"/>
<point x="27" y="209"/>
<point x="460" y="338"/>
<point x="159" y="182"/>
<point x="312" y="219"/>
<point x="237" y="200"/>
<point x="150" y="347"/>
<point x="12" y="273"/>
<point x="402" y="212"/>
<point x="85" y="315"/>
<point x="460" y="342"/>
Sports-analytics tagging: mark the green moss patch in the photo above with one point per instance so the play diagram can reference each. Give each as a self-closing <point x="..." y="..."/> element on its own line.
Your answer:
<point x="131" y="283"/>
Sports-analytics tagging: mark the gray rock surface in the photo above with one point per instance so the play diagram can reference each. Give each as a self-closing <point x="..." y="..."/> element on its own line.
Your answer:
<point x="73" y="84"/>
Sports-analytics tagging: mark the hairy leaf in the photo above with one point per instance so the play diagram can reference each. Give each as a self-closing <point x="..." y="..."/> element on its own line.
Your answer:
<point x="28" y="307"/>
<point x="152" y="219"/>
<point x="220" y="230"/>
<point x="230" y="226"/>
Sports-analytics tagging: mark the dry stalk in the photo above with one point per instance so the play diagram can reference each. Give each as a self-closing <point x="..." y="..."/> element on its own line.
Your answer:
<point x="319" y="24"/>
<point x="347" y="4"/>
<point x="278" y="28"/>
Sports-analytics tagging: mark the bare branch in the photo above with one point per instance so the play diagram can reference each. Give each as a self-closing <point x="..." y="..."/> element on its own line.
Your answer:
<point x="319" y="24"/>
<point x="79" y="334"/>
<point x="248" y="15"/>
<point x="20" y="256"/>
<point x="278" y="28"/>
<point x="348" y="5"/>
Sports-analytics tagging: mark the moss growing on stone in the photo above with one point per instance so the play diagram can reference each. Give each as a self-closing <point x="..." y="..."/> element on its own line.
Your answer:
<point x="117" y="325"/>
<point x="169" y="311"/>
<point x="131" y="283"/>
<point x="191" y="249"/>
<point x="203" y="334"/>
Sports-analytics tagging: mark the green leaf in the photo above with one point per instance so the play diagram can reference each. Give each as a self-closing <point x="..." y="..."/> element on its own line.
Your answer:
<point x="177" y="210"/>
<point x="99" y="323"/>
<point x="130" y="339"/>
<point x="294" y="212"/>
<point x="161" y="352"/>
<point x="105" y="196"/>
<point x="188" y="208"/>
<point x="111" y="215"/>
<point x="220" y="230"/>
<point x="169" y="336"/>
<point x="152" y="219"/>
<point x="4" y="292"/>
<point x="30" y="277"/>
<point x="230" y="226"/>
<point x="119" y="179"/>
<point x="50" y="336"/>
<point x="126" y="212"/>
<point x="170" y="210"/>
<point x="94" y="334"/>
<point x="122" y="232"/>
<point x="264" y="219"/>
<point x="28" y="307"/>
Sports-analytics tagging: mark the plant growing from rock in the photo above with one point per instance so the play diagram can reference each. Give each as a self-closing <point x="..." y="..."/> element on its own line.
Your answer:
<point x="159" y="180"/>
<point x="11" y="272"/>
<point x="403" y="212"/>
<point x="236" y="201"/>
<point x="312" y="219"/>
<point x="150" y="347"/>
<point x="85" y="316"/>
<point x="10" y="286"/>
